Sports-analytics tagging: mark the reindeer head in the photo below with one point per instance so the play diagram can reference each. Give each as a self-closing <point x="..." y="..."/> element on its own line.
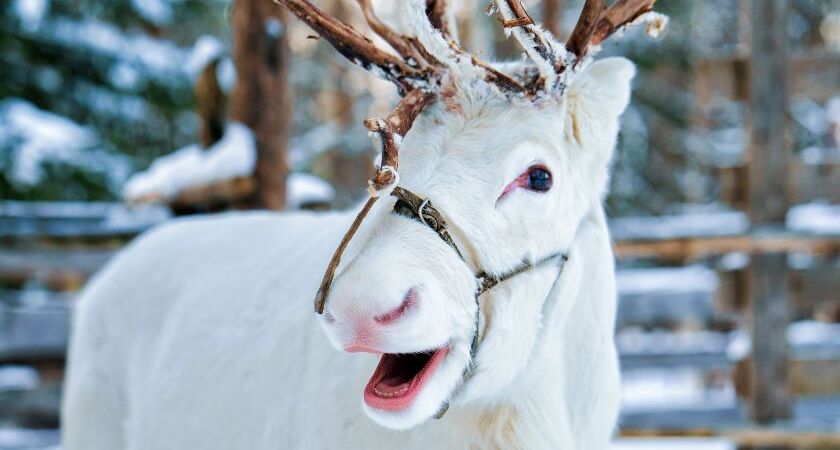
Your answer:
<point x="498" y="165"/>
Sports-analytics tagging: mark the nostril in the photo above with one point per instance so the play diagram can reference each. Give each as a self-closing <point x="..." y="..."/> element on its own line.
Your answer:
<point x="409" y="300"/>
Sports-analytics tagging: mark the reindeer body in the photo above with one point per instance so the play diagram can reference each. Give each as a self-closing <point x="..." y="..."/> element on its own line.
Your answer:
<point x="221" y="351"/>
<point x="201" y="335"/>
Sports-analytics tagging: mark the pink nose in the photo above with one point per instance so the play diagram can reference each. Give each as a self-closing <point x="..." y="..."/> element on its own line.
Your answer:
<point x="366" y="330"/>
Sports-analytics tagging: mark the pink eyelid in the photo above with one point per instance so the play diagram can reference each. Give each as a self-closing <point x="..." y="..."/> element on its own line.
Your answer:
<point x="521" y="181"/>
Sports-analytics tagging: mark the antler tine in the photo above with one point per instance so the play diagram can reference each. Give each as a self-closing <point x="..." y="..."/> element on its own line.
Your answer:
<point x="621" y="13"/>
<point x="537" y="43"/>
<point x="352" y="44"/>
<point x="584" y="29"/>
<point x="398" y="122"/>
<point x="436" y="11"/>
<point x="405" y="46"/>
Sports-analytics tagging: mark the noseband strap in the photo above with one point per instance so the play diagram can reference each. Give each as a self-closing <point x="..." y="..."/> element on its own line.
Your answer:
<point x="414" y="207"/>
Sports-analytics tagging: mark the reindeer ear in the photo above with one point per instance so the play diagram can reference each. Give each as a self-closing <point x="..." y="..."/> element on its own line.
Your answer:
<point x="597" y="96"/>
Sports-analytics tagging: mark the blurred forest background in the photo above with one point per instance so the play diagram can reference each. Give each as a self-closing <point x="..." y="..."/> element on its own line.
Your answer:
<point x="116" y="115"/>
<point x="115" y="82"/>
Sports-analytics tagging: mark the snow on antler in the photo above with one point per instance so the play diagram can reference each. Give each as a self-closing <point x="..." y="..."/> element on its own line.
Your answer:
<point x="538" y="44"/>
<point x="557" y="63"/>
<point x="430" y="58"/>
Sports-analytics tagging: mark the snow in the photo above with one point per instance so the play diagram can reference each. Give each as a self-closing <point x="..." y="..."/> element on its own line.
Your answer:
<point x="303" y="148"/>
<point x="36" y="136"/>
<point x="233" y="156"/>
<point x="31" y="12"/>
<point x="124" y="76"/>
<point x="832" y="113"/>
<point x="157" y="57"/>
<point x="206" y="49"/>
<point x="734" y="261"/>
<point x="14" y="377"/>
<point x="15" y="438"/>
<point x="636" y="342"/>
<point x="671" y="280"/>
<point x="158" y="12"/>
<point x="811" y="116"/>
<point x="816" y="218"/>
<point x="668" y="389"/>
<point x="809" y="332"/>
<point x="673" y="444"/>
<point x="830" y="30"/>
<point x="126" y="107"/>
<point x="739" y="347"/>
<point x="654" y="296"/>
<point x="817" y="156"/>
<point x="655" y="23"/>
<point x="226" y="73"/>
<point x="42" y="136"/>
<point x="19" y="218"/>
<point x="807" y="339"/>
<point x="303" y="188"/>
<point x="699" y="223"/>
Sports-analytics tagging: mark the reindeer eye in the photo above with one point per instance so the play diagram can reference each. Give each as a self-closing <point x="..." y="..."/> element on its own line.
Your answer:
<point x="539" y="179"/>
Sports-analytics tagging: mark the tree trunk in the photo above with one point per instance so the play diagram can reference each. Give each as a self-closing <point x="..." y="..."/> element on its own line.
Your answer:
<point x="768" y="163"/>
<point x="261" y="98"/>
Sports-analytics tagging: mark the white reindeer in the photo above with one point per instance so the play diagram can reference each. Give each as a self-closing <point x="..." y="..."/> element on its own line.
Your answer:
<point x="200" y="334"/>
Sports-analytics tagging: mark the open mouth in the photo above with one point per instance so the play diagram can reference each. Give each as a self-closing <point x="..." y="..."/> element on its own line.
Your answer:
<point x="399" y="377"/>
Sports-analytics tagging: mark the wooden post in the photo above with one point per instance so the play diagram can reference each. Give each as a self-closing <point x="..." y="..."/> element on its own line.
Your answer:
<point x="261" y="98"/>
<point x="768" y="162"/>
<point x="210" y="105"/>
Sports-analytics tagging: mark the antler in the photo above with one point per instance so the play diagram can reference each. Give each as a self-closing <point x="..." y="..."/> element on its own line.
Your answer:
<point x="625" y="12"/>
<point x="411" y="71"/>
<point x="397" y="123"/>
<point x="357" y="48"/>
<point x="422" y="61"/>
<point x="538" y="44"/>
<point x="595" y="24"/>
<point x="585" y="27"/>
<point x="436" y="10"/>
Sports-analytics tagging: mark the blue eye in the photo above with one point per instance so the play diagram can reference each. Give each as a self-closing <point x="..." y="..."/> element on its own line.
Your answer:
<point x="539" y="179"/>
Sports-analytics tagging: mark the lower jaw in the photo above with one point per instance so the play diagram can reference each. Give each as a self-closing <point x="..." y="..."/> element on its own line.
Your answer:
<point x="402" y="399"/>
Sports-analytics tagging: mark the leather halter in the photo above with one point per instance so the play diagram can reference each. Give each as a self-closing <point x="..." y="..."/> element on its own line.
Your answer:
<point x="411" y="205"/>
<point x="414" y="207"/>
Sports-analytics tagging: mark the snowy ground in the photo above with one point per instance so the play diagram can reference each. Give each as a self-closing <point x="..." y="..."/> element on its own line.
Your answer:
<point x="17" y="439"/>
<point x="675" y="444"/>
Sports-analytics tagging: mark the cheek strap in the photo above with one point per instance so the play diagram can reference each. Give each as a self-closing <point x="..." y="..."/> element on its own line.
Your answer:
<point x="411" y="205"/>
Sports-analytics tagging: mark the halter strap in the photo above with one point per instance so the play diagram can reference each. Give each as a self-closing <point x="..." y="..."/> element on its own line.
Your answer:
<point x="413" y="206"/>
<point x="487" y="282"/>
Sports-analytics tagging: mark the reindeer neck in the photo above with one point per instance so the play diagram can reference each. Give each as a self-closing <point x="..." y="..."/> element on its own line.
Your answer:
<point x="577" y="331"/>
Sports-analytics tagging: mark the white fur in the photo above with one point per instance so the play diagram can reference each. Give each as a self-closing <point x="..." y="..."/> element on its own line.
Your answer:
<point x="201" y="333"/>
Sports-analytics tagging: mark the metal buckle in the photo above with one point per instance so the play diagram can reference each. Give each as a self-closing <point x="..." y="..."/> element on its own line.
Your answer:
<point x="420" y="212"/>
